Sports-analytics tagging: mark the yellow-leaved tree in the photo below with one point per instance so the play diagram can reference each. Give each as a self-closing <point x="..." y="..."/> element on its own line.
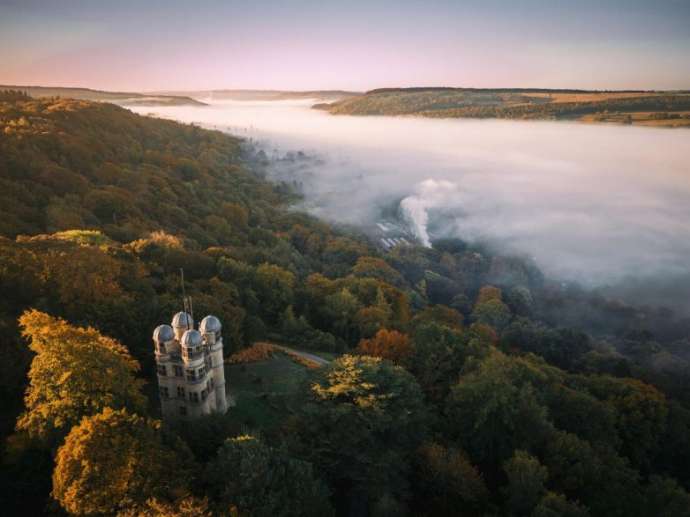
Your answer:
<point x="115" y="462"/>
<point x="76" y="372"/>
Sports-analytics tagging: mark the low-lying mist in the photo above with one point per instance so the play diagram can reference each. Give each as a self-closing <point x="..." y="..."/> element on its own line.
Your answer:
<point x="592" y="203"/>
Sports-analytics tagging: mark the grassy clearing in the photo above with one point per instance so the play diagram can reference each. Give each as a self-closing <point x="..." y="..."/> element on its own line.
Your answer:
<point x="265" y="391"/>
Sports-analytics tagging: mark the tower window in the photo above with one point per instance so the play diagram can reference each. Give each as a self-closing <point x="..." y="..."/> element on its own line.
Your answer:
<point x="161" y="348"/>
<point x="180" y="391"/>
<point x="193" y="396"/>
<point x="162" y="370"/>
<point x="178" y="371"/>
<point x="165" y="393"/>
<point x="190" y="375"/>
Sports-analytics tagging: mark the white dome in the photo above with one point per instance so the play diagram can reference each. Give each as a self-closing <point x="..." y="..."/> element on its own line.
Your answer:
<point x="182" y="319"/>
<point x="191" y="339"/>
<point x="163" y="334"/>
<point x="210" y="324"/>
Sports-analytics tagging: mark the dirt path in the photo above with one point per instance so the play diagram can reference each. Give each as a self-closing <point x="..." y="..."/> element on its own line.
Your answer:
<point x="319" y="360"/>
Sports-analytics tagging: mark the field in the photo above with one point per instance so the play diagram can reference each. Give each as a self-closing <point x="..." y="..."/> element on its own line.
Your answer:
<point x="650" y="108"/>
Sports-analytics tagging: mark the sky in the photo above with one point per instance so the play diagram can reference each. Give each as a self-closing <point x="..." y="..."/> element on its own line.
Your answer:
<point x="354" y="45"/>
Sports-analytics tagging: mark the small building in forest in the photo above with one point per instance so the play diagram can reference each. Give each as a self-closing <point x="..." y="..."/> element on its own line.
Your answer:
<point x="189" y="363"/>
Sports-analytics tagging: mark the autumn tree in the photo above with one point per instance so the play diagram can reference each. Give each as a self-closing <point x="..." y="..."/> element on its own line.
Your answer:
<point x="188" y="506"/>
<point x="115" y="461"/>
<point x="76" y="372"/>
<point x="447" y="483"/>
<point x="375" y="317"/>
<point x="387" y="344"/>
<point x="488" y="293"/>
<point x="373" y="267"/>
<point x="440" y="314"/>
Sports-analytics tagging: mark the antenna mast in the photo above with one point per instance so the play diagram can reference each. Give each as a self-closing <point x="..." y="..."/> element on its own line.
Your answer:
<point x="186" y="300"/>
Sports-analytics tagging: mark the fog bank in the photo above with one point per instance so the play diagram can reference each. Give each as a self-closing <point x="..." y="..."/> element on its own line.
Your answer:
<point x="593" y="203"/>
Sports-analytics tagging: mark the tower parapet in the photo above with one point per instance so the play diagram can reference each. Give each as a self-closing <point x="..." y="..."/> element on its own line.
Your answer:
<point x="189" y="363"/>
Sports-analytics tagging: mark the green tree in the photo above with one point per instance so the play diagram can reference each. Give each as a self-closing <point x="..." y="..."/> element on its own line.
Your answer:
<point x="492" y="312"/>
<point x="556" y="505"/>
<point x="664" y="497"/>
<point x="76" y="372"/>
<point x="599" y="478"/>
<point x="342" y="307"/>
<point x="641" y="413"/>
<point x="439" y="353"/>
<point x="275" y="289"/>
<point x="265" y="482"/>
<point x="496" y="408"/>
<point x="526" y="480"/>
<point x="362" y="419"/>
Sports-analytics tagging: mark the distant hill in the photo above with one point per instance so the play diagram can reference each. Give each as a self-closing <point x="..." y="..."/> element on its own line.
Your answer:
<point x="650" y="108"/>
<point x="121" y="98"/>
<point x="266" y="95"/>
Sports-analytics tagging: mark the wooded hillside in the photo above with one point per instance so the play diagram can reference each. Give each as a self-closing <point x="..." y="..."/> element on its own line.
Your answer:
<point x="629" y="107"/>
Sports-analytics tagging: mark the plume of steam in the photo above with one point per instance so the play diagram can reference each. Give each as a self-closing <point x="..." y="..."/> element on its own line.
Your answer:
<point x="415" y="208"/>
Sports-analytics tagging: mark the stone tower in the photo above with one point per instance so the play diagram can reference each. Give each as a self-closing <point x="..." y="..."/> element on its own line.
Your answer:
<point x="191" y="377"/>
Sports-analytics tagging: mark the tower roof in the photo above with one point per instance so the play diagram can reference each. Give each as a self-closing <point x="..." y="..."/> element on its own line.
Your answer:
<point x="210" y="324"/>
<point x="182" y="319"/>
<point x="191" y="338"/>
<point x="163" y="334"/>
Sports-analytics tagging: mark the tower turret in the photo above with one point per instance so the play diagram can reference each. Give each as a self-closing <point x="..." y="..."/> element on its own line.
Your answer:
<point x="182" y="322"/>
<point x="165" y="345"/>
<point x="210" y="328"/>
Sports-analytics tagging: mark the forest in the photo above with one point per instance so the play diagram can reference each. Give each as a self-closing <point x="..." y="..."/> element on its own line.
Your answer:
<point x="668" y="109"/>
<point x="462" y="381"/>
